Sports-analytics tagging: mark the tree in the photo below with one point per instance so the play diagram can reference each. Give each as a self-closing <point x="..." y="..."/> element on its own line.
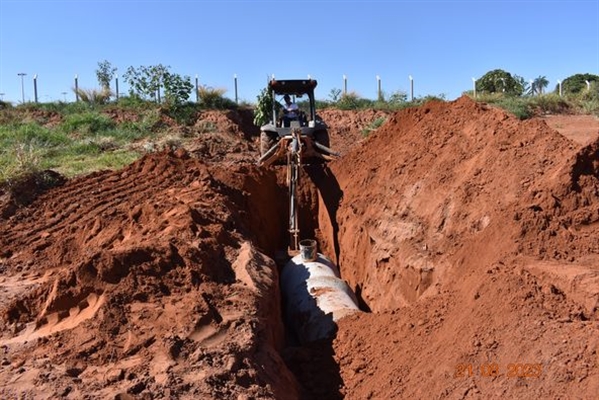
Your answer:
<point x="334" y="94"/>
<point x="577" y="83"/>
<point x="146" y="82"/>
<point x="263" y="111"/>
<point x="397" y="97"/>
<point x="539" y="85"/>
<point x="500" y="81"/>
<point x="177" y="88"/>
<point x="105" y="73"/>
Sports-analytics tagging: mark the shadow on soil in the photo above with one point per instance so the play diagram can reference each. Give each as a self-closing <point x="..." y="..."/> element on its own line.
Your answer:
<point x="313" y="364"/>
<point x="331" y="194"/>
<point x="315" y="369"/>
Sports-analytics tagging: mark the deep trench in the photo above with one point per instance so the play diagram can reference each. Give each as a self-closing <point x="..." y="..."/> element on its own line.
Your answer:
<point x="319" y="195"/>
<point x="386" y="285"/>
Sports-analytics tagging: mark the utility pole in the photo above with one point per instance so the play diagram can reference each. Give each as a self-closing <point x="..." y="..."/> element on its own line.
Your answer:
<point x="344" y="85"/>
<point x="35" y="87"/>
<point x="76" y="88"/>
<point x="235" y="78"/>
<point x="22" y="74"/>
<point x="559" y="83"/>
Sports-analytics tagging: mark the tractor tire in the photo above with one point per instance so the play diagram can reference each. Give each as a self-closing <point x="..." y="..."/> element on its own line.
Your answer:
<point x="266" y="142"/>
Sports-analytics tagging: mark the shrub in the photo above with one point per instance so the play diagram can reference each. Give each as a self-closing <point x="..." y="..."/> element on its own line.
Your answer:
<point x="185" y="114"/>
<point x="22" y="159"/>
<point x="213" y="99"/>
<point x="93" y="96"/>
<point x="549" y="103"/>
<point x="352" y="101"/>
<point x="263" y="111"/>
<point x="590" y="106"/>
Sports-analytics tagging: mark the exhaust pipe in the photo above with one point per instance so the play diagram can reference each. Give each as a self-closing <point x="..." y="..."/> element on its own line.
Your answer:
<point x="315" y="296"/>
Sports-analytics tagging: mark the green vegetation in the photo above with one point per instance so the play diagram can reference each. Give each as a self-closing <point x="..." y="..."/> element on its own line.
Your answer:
<point x="579" y="84"/>
<point x="585" y="102"/>
<point x="105" y="73"/>
<point x="213" y="98"/>
<point x="578" y="93"/>
<point x="79" y="143"/>
<point x="499" y="81"/>
<point x="101" y="131"/>
<point x="374" y="125"/>
<point x="263" y="110"/>
<point x="78" y="138"/>
<point x="93" y="96"/>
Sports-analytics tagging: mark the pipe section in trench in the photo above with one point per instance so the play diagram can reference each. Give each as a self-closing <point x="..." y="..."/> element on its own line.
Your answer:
<point x="315" y="297"/>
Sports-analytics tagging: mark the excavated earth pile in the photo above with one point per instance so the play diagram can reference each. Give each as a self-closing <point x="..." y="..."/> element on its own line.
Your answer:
<point x="471" y="236"/>
<point x="474" y="238"/>
<point x="145" y="281"/>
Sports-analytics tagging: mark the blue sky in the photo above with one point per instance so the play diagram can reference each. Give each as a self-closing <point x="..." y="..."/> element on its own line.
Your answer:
<point x="442" y="44"/>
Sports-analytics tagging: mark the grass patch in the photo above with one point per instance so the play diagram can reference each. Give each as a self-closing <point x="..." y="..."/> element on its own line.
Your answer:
<point x="81" y="143"/>
<point x="520" y="107"/>
<point x="17" y="161"/>
<point x="374" y="125"/>
<point x="149" y="121"/>
<point x="31" y="133"/>
<point x="73" y="163"/>
<point x="549" y="104"/>
<point x="87" y="123"/>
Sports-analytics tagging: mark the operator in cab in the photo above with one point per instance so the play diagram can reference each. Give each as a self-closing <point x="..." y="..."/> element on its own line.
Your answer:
<point x="290" y="111"/>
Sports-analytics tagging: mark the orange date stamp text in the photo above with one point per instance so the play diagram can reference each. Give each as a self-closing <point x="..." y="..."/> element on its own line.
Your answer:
<point x="491" y="370"/>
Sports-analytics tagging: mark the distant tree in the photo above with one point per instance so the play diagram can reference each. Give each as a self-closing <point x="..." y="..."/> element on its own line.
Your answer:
<point x="500" y="81"/>
<point x="397" y="98"/>
<point x="522" y="82"/>
<point x="177" y="88"/>
<point x="105" y="73"/>
<point x="334" y="94"/>
<point x="150" y="82"/>
<point x="539" y="85"/>
<point x="158" y="73"/>
<point x="577" y="83"/>
<point x="349" y="101"/>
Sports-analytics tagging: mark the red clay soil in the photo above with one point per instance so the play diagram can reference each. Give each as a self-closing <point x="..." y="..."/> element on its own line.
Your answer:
<point x="471" y="236"/>
<point x="474" y="239"/>
<point x="143" y="280"/>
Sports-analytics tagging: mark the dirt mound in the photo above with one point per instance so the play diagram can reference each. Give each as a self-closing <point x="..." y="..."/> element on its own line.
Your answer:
<point x="470" y="235"/>
<point x="141" y="280"/>
<point x="473" y="236"/>
<point x="349" y="128"/>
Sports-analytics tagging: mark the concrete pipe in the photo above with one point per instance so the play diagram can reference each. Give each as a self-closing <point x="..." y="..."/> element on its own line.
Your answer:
<point x="314" y="294"/>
